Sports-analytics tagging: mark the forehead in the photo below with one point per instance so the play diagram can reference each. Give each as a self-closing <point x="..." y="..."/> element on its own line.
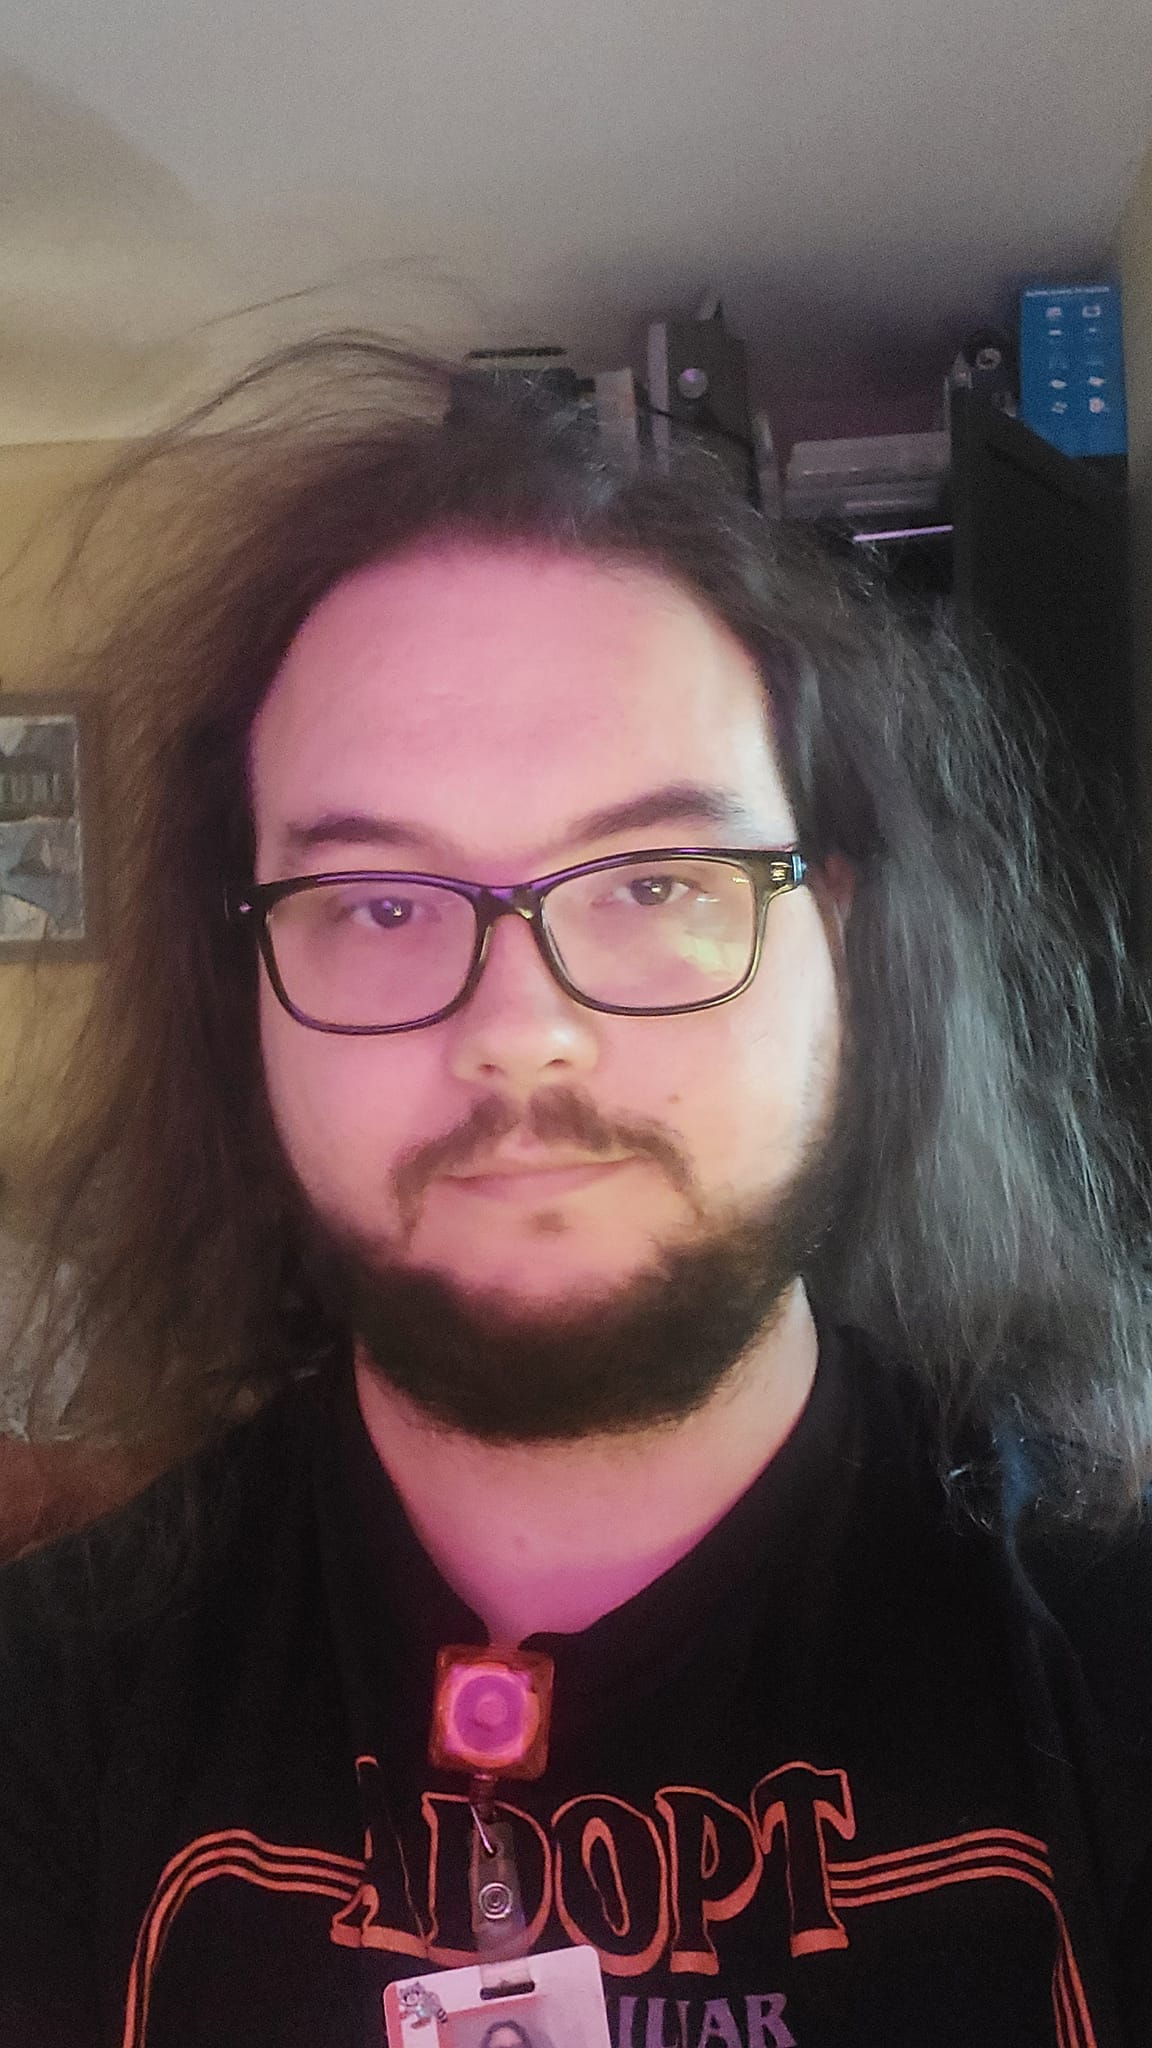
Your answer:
<point x="494" y="693"/>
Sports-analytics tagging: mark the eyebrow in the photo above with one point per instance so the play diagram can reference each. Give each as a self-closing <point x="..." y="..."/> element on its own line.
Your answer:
<point x="675" y="803"/>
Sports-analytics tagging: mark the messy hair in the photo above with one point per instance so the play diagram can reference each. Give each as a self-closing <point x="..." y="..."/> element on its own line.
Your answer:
<point x="996" y="1233"/>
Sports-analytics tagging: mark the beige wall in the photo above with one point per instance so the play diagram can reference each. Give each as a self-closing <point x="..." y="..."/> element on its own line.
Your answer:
<point x="41" y="1006"/>
<point x="1135" y="243"/>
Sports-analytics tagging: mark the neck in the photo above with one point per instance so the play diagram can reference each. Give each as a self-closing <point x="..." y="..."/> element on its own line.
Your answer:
<point x="549" y="1537"/>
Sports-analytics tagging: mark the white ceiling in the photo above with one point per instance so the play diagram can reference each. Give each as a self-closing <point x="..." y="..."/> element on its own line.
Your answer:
<point x="864" y="180"/>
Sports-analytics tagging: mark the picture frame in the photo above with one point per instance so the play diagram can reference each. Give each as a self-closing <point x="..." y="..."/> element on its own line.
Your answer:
<point x="51" y="851"/>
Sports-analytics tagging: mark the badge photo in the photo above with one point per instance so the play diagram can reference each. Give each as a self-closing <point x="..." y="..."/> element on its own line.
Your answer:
<point x="548" y="2001"/>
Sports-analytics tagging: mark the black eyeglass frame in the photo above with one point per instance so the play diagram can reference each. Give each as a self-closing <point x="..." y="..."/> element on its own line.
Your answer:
<point x="773" y="871"/>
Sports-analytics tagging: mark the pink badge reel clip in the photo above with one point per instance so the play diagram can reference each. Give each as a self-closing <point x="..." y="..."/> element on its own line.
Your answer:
<point x="491" y="1712"/>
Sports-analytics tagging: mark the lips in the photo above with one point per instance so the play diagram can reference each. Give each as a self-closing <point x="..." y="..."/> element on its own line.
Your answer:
<point x="510" y="1178"/>
<point x="519" y="1164"/>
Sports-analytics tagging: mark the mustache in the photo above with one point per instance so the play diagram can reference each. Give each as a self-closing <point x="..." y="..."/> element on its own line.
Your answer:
<point x="552" y="1115"/>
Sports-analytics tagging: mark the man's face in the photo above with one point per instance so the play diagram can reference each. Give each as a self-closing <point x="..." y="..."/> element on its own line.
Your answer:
<point x="463" y="712"/>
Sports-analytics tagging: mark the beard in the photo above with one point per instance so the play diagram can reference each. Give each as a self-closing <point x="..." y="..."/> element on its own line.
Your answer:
<point x="642" y="1353"/>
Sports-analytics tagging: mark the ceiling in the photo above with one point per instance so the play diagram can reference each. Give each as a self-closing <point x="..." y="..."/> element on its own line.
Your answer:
<point x="862" y="180"/>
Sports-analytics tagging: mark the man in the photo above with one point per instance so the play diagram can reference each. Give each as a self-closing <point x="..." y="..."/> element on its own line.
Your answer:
<point x="633" y="977"/>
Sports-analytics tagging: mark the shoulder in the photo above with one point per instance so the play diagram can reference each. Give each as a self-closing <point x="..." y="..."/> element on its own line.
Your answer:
<point x="1097" y="1588"/>
<point x="111" y="1584"/>
<point x="1085" y="1561"/>
<point x="1068" y="1577"/>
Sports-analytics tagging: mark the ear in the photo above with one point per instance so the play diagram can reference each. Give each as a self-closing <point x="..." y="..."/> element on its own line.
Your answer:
<point x="834" y="886"/>
<point x="836" y="877"/>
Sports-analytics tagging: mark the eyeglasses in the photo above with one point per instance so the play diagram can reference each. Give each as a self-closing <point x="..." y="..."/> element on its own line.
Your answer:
<point x="637" y="935"/>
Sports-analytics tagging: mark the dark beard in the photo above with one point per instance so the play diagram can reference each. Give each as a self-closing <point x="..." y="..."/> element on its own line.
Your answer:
<point x="648" y="1352"/>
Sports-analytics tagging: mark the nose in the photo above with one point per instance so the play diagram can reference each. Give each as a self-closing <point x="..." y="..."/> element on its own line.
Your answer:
<point x="519" y="1028"/>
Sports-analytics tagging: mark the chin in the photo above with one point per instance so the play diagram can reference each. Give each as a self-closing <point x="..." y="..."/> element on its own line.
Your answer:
<point x="550" y="1262"/>
<point x="528" y="1298"/>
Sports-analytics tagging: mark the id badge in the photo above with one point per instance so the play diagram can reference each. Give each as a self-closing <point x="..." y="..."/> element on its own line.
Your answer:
<point x="548" y="2001"/>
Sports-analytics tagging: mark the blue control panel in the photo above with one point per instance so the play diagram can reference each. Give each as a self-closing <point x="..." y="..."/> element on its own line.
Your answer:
<point x="1072" y="368"/>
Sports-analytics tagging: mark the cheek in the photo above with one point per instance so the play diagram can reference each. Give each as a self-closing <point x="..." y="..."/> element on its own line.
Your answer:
<point x="752" y="1091"/>
<point x="338" y="1107"/>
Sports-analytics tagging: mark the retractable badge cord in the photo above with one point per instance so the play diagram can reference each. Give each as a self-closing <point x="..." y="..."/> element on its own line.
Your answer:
<point x="490" y="1718"/>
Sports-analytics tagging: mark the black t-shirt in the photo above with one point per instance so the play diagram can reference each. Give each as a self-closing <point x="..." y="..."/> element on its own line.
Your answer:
<point x="858" y="1772"/>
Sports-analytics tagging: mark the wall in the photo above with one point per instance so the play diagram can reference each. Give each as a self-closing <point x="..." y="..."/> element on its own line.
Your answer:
<point x="1135" y="249"/>
<point x="41" y="1005"/>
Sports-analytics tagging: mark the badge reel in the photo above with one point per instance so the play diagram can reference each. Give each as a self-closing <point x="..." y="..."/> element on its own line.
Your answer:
<point x="490" y="1718"/>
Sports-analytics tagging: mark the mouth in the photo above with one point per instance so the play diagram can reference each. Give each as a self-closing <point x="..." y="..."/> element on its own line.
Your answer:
<point x="511" y="1178"/>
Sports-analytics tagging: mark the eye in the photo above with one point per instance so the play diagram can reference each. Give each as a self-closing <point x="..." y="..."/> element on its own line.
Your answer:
<point x="648" y="892"/>
<point x="385" y="912"/>
<point x="379" y="913"/>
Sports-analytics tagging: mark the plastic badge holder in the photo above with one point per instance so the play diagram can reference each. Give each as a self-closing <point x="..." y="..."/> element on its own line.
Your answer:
<point x="549" y="2001"/>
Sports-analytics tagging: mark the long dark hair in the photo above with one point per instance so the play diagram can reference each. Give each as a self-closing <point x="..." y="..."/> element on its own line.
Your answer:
<point x="997" y="1235"/>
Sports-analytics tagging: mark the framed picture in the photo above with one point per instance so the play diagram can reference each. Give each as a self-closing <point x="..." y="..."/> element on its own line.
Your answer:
<point x="50" y="877"/>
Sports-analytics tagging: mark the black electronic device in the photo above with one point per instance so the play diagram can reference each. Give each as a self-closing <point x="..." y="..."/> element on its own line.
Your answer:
<point x="697" y="381"/>
<point x="1040" y="561"/>
<point x="988" y="363"/>
<point x="532" y="376"/>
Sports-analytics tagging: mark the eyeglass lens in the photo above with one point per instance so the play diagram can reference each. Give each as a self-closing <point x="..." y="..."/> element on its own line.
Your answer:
<point x="648" y="935"/>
